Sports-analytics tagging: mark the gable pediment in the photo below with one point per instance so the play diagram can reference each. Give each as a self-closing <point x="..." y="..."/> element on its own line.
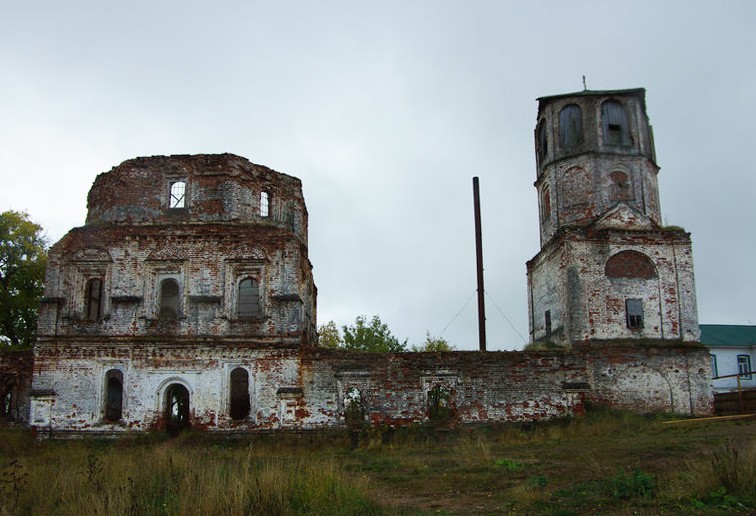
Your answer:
<point x="167" y="253"/>
<point x="623" y="216"/>
<point x="246" y="252"/>
<point x="92" y="254"/>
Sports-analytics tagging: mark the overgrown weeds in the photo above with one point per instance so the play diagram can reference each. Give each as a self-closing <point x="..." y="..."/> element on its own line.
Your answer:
<point x="608" y="461"/>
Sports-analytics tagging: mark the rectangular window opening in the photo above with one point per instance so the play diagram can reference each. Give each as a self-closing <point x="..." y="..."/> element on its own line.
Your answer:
<point x="714" y="369"/>
<point x="547" y="321"/>
<point x="634" y="310"/>
<point x="264" y="204"/>
<point x="615" y="134"/>
<point x="744" y="367"/>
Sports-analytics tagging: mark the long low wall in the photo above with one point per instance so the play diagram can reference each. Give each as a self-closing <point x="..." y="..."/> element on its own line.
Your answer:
<point x="319" y="388"/>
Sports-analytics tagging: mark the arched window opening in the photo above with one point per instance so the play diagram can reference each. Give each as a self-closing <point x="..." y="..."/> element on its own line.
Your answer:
<point x="93" y="299"/>
<point x="615" y="124"/>
<point x="248" y="302"/>
<point x="542" y="141"/>
<point x="264" y="204"/>
<point x="571" y="126"/>
<point x="169" y="299"/>
<point x="178" y="195"/>
<point x="176" y="408"/>
<point x="620" y="188"/>
<point x="545" y="204"/>
<point x="630" y="264"/>
<point x="114" y="395"/>
<point x="239" y="406"/>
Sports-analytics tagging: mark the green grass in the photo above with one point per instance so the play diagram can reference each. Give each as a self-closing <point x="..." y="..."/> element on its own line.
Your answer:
<point x="608" y="462"/>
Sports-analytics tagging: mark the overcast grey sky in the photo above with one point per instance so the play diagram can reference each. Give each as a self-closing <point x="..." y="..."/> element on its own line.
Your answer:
<point x="385" y="111"/>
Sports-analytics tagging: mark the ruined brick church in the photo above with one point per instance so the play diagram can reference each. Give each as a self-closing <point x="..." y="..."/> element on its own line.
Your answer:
<point x="187" y="300"/>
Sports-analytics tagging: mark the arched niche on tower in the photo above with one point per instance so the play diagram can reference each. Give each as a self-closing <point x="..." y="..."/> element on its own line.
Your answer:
<point x="620" y="184"/>
<point x="631" y="265"/>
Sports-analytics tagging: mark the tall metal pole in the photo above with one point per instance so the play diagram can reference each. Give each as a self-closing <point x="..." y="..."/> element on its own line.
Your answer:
<point x="479" y="256"/>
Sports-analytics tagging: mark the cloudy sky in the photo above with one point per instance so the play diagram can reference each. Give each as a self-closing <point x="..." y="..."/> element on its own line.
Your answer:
<point x="385" y="111"/>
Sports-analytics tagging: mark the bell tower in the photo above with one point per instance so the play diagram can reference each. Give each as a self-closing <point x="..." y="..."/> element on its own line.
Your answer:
<point x="607" y="268"/>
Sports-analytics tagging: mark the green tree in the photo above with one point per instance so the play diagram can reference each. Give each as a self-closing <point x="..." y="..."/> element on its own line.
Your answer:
<point x="23" y="258"/>
<point x="329" y="336"/>
<point x="434" y="344"/>
<point x="374" y="337"/>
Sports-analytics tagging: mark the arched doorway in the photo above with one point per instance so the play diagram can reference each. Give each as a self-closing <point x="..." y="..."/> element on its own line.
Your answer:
<point x="176" y="408"/>
<point x="239" y="406"/>
<point x="114" y="395"/>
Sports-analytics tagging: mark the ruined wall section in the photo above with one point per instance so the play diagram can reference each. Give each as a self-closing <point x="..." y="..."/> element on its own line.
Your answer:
<point x="582" y="171"/>
<point x="15" y="385"/>
<point x="584" y="188"/>
<point x="310" y="388"/>
<point x="218" y="188"/>
<point x="71" y="384"/>
<point x="207" y="261"/>
<point x="397" y="389"/>
<point x="569" y="280"/>
<point x="650" y="377"/>
<point x="133" y="240"/>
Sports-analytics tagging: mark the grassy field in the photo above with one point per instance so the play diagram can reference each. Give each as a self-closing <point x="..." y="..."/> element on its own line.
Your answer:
<point x="605" y="463"/>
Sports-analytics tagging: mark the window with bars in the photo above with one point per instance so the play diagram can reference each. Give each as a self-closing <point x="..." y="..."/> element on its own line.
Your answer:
<point x="178" y="195"/>
<point x="634" y="311"/>
<point x="248" y="300"/>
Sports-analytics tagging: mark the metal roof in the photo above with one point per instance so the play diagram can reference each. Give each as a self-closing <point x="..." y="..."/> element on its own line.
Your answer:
<point x="725" y="335"/>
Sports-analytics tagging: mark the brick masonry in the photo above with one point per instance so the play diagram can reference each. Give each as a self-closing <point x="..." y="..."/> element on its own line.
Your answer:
<point x="120" y="352"/>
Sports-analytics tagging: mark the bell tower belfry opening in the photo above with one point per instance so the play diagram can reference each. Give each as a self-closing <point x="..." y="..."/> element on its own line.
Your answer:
<point x="607" y="268"/>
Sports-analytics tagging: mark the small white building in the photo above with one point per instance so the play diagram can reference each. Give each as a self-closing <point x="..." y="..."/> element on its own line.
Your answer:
<point x="733" y="353"/>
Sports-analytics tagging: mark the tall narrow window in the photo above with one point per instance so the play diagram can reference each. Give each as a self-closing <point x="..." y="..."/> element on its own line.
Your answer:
<point x="248" y="301"/>
<point x="615" y="124"/>
<point x="571" y="126"/>
<point x="542" y="141"/>
<point x="547" y="321"/>
<point x="545" y="204"/>
<point x="169" y="299"/>
<point x="93" y="299"/>
<point x="634" y="311"/>
<point x="744" y="367"/>
<point x="714" y="368"/>
<point x="354" y="409"/>
<point x="264" y="204"/>
<point x="239" y="406"/>
<point x="114" y="395"/>
<point x="178" y="194"/>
